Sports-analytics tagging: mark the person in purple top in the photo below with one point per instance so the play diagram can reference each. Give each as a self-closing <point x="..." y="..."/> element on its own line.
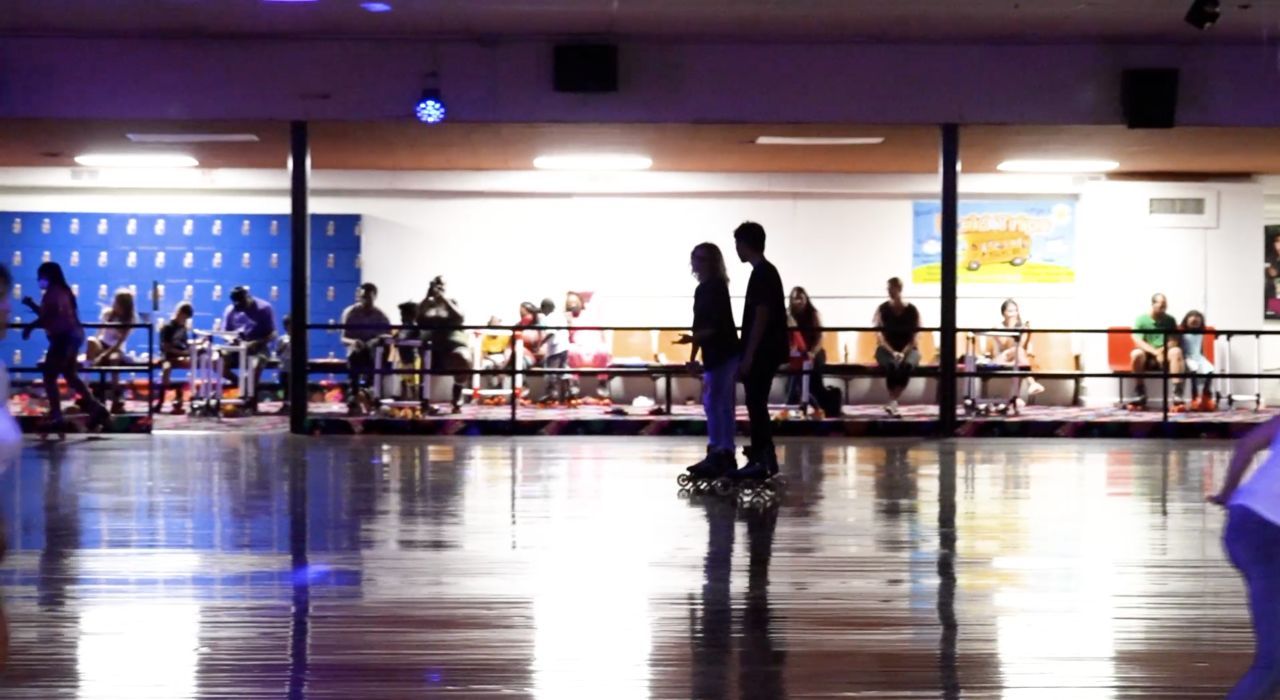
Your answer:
<point x="254" y="321"/>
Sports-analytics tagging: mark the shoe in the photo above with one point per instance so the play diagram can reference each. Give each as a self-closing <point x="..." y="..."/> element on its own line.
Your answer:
<point x="759" y="466"/>
<point x="716" y="465"/>
<point x="178" y="410"/>
<point x="1208" y="405"/>
<point x="892" y="411"/>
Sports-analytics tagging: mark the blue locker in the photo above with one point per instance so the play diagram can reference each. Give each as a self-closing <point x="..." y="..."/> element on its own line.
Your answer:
<point x="124" y="231"/>
<point x="336" y="265"/>
<point x="335" y="232"/>
<point x="211" y="232"/>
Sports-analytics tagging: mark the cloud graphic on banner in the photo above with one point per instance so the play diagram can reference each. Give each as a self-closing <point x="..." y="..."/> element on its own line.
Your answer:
<point x="932" y="246"/>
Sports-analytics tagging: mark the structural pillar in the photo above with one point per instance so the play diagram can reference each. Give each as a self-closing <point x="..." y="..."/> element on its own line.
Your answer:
<point x="950" y="243"/>
<point x="299" y="273"/>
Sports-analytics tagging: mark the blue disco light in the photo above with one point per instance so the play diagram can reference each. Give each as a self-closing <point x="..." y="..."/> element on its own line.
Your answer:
<point x="376" y="6"/>
<point x="430" y="109"/>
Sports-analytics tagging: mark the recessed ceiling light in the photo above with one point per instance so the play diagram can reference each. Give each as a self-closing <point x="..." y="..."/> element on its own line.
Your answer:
<point x="192" y="138"/>
<point x="593" y="162"/>
<point x="1057" y="166"/>
<point x="376" y="6"/>
<point x="137" y="160"/>
<point x="819" y="140"/>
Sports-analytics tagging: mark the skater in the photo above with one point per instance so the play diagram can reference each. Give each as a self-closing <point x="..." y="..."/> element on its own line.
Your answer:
<point x="175" y="351"/>
<point x="715" y="334"/>
<point x="1197" y="364"/>
<point x="1156" y="343"/>
<point x="1252" y="542"/>
<point x="554" y="348"/>
<point x="10" y="443"/>
<point x="59" y="316"/>
<point x="765" y="346"/>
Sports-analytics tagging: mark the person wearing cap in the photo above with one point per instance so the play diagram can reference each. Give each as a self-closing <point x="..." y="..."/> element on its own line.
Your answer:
<point x="254" y="322"/>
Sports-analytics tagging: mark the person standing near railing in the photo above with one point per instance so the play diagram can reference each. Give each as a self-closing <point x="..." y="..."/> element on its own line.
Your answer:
<point x="809" y="329"/>
<point x="765" y="347"/>
<point x="59" y="316"/>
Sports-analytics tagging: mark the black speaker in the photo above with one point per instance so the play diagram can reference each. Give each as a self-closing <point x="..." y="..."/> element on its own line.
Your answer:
<point x="1149" y="97"/>
<point x="586" y="68"/>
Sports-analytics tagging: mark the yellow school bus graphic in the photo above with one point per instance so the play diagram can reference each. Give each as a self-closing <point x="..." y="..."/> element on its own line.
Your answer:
<point x="978" y="248"/>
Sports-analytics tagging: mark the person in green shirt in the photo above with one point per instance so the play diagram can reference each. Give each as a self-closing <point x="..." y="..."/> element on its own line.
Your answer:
<point x="1155" y="347"/>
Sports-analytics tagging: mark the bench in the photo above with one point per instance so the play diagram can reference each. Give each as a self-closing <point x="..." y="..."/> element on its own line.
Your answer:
<point x="1120" y="347"/>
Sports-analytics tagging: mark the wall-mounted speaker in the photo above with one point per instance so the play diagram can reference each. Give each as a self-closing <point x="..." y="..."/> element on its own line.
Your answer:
<point x="589" y="68"/>
<point x="1149" y="97"/>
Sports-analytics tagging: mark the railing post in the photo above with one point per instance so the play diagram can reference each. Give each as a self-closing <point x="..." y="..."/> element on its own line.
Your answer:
<point x="300" y="274"/>
<point x="950" y="242"/>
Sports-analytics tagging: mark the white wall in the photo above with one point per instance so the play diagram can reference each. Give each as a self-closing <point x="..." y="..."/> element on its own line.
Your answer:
<point x="840" y="237"/>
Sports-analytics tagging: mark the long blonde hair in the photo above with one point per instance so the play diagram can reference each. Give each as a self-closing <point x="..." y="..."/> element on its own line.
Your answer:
<point x="714" y="257"/>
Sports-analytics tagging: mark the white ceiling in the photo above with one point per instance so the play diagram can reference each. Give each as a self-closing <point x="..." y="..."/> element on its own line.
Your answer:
<point x="899" y="20"/>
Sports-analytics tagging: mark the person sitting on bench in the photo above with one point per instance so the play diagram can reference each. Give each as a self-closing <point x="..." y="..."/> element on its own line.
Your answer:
<point x="1156" y="337"/>
<point x="175" y="351"/>
<point x="362" y="325"/>
<point x="897" y="324"/>
<point x="1197" y="364"/>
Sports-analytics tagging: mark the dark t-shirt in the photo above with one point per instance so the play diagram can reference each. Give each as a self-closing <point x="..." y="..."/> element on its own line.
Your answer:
<point x="713" y="310"/>
<point x="899" y="328"/>
<point x="765" y="289"/>
<point x="173" y="336"/>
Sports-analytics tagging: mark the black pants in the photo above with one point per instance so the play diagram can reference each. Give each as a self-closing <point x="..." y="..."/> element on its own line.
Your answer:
<point x="359" y="366"/>
<point x="757" y="385"/>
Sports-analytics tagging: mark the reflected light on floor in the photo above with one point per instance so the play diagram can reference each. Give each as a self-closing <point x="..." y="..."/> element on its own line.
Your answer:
<point x="138" y="651"/>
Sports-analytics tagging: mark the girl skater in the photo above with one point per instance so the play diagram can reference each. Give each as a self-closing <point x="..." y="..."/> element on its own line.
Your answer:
<point x="715" y="334"/>
<point x="1197" y="364"/>
<point x="58" y="315"/>
<point x="1252" y="541"/>
<point x="10" y="442"/>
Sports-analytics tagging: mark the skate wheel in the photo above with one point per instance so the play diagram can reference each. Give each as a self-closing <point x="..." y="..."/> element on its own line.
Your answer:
<point x="758" y="502"/>
<point x="684" y="493"/>
<point x="683" y="480"/>
<point x="723" y="486"/>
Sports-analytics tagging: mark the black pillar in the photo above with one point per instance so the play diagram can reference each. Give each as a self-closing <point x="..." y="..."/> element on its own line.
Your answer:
<point x="947" y="346"/>
<point x="299" y="273"/>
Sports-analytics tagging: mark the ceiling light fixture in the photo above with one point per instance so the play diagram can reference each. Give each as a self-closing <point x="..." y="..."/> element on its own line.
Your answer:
<point x="1203" y="14"/>
<point x="136" y="160"/>
<point x="430" y="109"/>
<point x="192" y="138"/>
<point x="819" y="140"/>
<point x="1057" y="166"/>
<point x="593" y="162"/>
<point x="376" y="6"/>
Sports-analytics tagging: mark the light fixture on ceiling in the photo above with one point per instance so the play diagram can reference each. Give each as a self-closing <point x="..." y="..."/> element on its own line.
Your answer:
<point x="430" y="109"/>
<point x="1203" y="13"/>
<point x="137" y="160"/>
<point x="819" y="140"/>
<point x="1057" y="166"/>
<point x="192" y="138"/>
<point x="376" y="6"/>
<point x="614" y="161"/>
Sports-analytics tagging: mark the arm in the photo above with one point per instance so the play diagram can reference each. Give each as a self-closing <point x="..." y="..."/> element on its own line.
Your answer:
<point x="1250" y="445"/>
<point x="817" y="337"/>
<point x="346" y="338"/>
<point x="879" y="325"/>
<point x="1141" y="343"/>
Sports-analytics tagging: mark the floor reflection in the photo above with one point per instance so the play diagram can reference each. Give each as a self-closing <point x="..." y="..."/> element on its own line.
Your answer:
<point x="264" y="567"/>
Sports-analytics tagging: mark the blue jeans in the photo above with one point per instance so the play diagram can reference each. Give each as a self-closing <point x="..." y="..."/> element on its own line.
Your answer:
<point x="719" y="399"/>
<point x="1253" y="544"/>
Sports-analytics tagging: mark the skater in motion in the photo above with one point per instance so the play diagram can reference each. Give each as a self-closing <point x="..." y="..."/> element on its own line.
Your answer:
<point x="716" y="336"/>
<point x="58" y="315"/>
<point x="1252" y="542"/>
<point x="10" y="442"/>
<point x="765" y="346"/>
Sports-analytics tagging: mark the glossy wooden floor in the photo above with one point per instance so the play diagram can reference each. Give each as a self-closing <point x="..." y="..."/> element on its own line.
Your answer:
<point x="233" y="566"/>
